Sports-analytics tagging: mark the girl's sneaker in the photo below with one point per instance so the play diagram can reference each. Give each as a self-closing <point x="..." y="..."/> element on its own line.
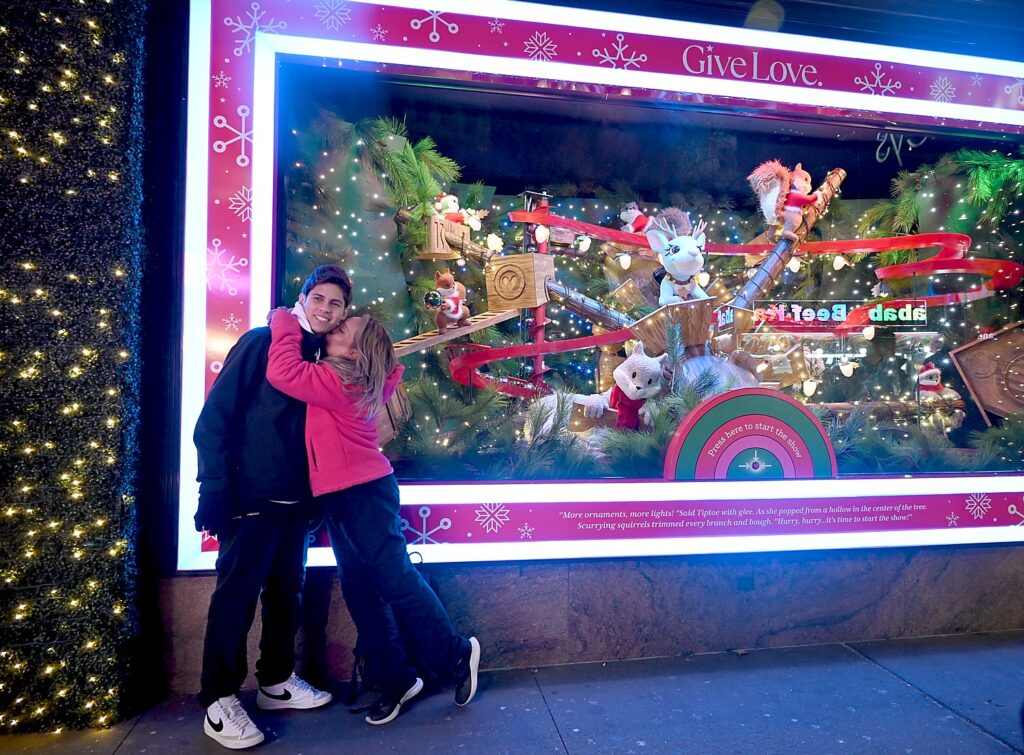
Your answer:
<point x="466" y="673"/>
<point x="390" y="706"/>
<point x="229" y="725"/>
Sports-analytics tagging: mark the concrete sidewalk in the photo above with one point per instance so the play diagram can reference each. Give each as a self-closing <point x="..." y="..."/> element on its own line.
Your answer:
<point x="953" y="694"/>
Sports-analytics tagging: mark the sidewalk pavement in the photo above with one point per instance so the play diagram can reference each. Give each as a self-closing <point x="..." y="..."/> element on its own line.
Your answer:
<point x="951" y="694"/>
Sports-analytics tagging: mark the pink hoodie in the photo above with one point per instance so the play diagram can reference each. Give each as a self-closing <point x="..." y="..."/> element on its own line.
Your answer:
<point x="341" y="442"/>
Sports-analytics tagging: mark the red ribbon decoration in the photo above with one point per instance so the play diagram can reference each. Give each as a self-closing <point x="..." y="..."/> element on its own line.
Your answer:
<point x="1002" y="274"/>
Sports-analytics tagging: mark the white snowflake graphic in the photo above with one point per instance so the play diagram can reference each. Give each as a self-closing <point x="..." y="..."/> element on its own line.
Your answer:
<point x="435" y="18"/>
<point x="379" y="33"/>
<point x="877" y="82"/>
<point x="231" y="322"/>
<point x="1014" y="511"/>
<point x="221" y="268"/>
<point x="241" y="203"/>
<point x="424" y="535"/>
<point x="247" y="29"/>
<point x="976" y="80"/>
<point x="241" y="135"/>
<point x="942" y="90"/>
<point x="497" y="25"/>
<point x="333" y="14"/>
<point x="978" y="505"/>
<point x="540" y="47"/>
<point x="1018" y="87"/>
<point x="619" y="55"/>
<point x="526" y="532"/>
<point x="221" y="80"/>
<point x="492" y="516"/>
<point x="952" y="520"/>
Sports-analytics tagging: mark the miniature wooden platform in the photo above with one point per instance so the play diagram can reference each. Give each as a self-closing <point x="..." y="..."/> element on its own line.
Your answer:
<point x="432" y="338"/>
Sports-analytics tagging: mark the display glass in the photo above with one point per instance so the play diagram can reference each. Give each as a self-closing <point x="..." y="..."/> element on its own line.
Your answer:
<point x="640" y="311"/>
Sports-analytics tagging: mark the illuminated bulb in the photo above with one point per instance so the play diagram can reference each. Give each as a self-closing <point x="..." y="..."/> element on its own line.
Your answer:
<point x="868" y="332"/>
<point x="494" y="242"/>
<point x="703" y="278"/>
<point x="583" y="243"/>
<point x="839" y="262"/>
<point x="847" y="368"/>
<point x="541" y="234"/>
<point x="793" y="265"/>
<point x="624" y="260"/>
<point x="809" y="387"/>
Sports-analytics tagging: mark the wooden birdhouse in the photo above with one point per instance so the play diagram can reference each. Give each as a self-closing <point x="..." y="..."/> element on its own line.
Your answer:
<point x="518" y="281"/>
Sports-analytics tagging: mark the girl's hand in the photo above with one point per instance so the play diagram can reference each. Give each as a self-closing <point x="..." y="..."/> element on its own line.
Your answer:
<point x="270" y="314"/>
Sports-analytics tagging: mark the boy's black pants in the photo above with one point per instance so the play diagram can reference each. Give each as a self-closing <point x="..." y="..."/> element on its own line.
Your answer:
<point x="262" y="557"/>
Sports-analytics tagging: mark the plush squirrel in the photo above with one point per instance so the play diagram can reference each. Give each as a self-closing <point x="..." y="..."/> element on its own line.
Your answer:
<point x="931" y="391"/>
<point x="633" y="220"/>
<point x="636" y="380"/>
<point x="453" y="311"/>
<point x="682" y="257"/>
<point x="447" y="206"/>
<point x="782" y="194"/>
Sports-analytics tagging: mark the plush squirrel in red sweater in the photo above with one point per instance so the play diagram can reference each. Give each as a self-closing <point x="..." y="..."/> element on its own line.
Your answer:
<point x="782" y="194"/>
<point x="453" y="311"/>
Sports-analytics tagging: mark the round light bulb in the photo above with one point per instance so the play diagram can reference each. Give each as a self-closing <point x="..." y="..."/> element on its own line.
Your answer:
<point x="541" y="234"/>
<point x="494" y="242"/>
<point x="794" y="265"/>
<point x="624" y="261"/>
<point x="810" y="386"/>
<point x="868" y="332"/>
<point x="847" y="369"/>
<point x="839" y="262"/>
<point x="703" y="278"/>
<point x="583" y="243"/>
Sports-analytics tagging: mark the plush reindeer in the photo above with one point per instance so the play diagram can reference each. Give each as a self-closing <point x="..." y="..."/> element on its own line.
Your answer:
<point x="682" y="259"/>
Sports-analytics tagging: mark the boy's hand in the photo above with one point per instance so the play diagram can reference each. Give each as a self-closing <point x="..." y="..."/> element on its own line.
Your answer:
<point x="214" y="512"/>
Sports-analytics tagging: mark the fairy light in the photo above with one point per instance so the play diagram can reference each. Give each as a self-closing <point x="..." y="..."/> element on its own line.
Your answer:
<point x="70" y="135"/>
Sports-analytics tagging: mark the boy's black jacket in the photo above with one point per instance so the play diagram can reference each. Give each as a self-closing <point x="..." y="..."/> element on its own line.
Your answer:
<point x="250" y="436"/>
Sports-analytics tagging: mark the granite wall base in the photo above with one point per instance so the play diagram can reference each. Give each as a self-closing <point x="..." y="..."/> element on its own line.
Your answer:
<point x="545" y="613"/>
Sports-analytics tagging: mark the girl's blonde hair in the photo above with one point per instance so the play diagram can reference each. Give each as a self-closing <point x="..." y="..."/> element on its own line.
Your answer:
<point x="368" y="371"/>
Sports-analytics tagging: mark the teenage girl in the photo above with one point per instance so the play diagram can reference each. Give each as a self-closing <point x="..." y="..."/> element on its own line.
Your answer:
<point x="356" y="485"/>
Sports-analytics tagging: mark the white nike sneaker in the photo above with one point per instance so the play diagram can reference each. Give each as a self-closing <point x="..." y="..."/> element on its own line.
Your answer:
<point x="294" y="693"/>
<point x="229" y="725"/>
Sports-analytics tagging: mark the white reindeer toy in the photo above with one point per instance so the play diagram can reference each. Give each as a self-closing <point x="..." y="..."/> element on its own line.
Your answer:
<point x="682" y="258"/>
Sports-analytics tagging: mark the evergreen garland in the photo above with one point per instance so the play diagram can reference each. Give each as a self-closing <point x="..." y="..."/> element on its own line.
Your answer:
<point x="71" y="260"/>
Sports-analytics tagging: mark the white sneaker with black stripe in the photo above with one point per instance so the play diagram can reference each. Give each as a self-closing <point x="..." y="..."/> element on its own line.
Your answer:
<point x="293" y="693"/>
<point x="230" y="726"/>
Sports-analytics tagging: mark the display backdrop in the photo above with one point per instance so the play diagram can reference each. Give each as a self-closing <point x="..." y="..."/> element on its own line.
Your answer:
<point x="229" y="276"/>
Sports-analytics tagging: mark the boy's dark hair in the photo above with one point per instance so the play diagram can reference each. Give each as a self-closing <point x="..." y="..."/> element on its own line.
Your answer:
<point x="329" y="274"/>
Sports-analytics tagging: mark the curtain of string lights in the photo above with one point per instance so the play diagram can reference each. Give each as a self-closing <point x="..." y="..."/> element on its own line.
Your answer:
<point x="70" y="255"/>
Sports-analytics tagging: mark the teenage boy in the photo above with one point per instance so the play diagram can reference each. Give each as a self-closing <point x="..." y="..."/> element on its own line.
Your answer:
<point x="254" y="495"/>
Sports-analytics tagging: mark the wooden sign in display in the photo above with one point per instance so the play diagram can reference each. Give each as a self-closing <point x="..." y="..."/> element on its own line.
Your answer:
<point x="993" y="369"/>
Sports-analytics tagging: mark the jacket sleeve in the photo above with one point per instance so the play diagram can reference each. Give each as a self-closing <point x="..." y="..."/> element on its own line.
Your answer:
<point x="221" y="416"/>
<point x="287" y="371"/>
